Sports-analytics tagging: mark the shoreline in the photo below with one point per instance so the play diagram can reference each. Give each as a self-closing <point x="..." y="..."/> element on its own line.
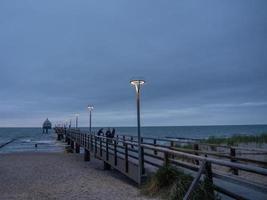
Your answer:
<point x="40" y="175"/>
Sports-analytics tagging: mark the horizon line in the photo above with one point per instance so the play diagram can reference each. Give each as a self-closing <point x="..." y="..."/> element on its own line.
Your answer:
<point x="144" y="126"/>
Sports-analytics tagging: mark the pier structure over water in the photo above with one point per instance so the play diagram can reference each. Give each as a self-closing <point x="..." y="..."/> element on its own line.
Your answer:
<point x="232" y="175"/>
<point x="47" y="125"/>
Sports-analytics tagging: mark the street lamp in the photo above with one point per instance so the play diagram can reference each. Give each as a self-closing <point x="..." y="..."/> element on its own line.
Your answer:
<point x="137" y="84"/>
<point x="66" y="124"/>
<point x="76" y="115"/>
<point x="90" y="108"/>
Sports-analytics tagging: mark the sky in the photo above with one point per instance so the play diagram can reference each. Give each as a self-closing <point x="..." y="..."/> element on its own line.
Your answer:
<point x="204" y="62"/>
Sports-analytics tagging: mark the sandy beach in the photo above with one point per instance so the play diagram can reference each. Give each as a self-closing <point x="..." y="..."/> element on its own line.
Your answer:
<point x="60" y="176"/>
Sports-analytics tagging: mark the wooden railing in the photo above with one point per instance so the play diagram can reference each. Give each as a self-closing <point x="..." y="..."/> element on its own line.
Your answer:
<point x="121" y="153"/>
<point x="232" y="153"/>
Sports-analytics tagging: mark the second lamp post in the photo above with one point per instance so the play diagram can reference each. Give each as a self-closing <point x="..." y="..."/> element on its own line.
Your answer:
<point x="137" y="84"/>
<point x="90" y="108"/>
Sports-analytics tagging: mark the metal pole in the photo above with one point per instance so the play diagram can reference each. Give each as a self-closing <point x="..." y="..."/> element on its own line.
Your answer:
<point x="76" y="121"/>
<point x="139" y="135"/>
<point x="90" y="123"/>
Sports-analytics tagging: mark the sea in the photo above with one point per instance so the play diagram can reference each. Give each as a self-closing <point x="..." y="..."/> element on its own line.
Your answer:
<point x="32" y="139"/>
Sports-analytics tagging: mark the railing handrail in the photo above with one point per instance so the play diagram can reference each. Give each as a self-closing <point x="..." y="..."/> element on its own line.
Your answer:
<point x="248" y="168"/>
<point x="198" y="141"/>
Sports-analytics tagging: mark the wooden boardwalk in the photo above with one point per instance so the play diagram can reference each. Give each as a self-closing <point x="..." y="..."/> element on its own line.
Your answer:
<point x="121" y="153"/>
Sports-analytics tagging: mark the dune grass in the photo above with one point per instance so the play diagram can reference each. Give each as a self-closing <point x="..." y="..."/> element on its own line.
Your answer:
<point x="172" y="184"/>
<point x="236" y="139"/>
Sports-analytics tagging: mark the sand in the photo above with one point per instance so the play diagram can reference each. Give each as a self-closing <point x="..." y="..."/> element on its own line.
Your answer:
<point x="46" y="176"/>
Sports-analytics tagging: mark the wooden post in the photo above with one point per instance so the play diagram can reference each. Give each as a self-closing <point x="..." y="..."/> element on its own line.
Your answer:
<point x="166" y="159"/>
<point x="115" y="152"/>
<point x="126" y="159"/>
<point x="72" y="144"/>
<point x="208" y="182"/>
<point x="107" y="154"/>
<point x="95" y="146"/>
<point x="196" y="148"/>
<point x="233" y="154"/>
<point x="143" y="160"/>
<point x="123" y="138"/>
<point x="82" y="137"/>
<point x="132" y="142"/>
<point x="195" y="181"/>
<point x="66" y="139"/>
<point x="155" y="143"/>
<point x="100" y="144"/>
<point x="77" y="147"/>
<point x="92" y="148"/>
<point x="86" y="155"/>
<point x="172" y="145"/>
<point x="106" y="166"/>
<point x="88" y="142"/>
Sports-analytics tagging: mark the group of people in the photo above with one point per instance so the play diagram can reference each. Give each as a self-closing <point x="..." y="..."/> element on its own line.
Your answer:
<point x="109" y="133"/>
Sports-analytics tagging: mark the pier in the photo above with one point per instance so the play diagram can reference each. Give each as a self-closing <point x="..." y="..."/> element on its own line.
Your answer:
<point x="121" y="153"/>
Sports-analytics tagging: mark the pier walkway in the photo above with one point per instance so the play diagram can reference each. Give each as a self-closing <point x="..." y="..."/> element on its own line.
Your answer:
<point x="234" y="176"/>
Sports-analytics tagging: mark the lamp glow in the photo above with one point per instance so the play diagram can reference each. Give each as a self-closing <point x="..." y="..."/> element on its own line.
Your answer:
<point x="90" y="108"/>
<point x="137" y="84"/>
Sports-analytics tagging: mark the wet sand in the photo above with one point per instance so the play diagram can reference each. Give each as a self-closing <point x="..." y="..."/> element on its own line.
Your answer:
<point x="56" y="176"/>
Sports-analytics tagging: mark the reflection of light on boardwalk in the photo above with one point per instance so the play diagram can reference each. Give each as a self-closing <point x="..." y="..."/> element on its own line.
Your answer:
<point x="121" y="153"/>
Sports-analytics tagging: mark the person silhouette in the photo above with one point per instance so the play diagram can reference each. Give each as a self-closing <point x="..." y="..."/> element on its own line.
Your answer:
<point x="112" y="133"/>
<point x="100" y="132"/>
<point x="108" y="133"/>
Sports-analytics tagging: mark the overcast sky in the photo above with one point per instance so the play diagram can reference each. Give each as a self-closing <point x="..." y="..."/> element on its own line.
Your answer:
<point x="205" y="62"/>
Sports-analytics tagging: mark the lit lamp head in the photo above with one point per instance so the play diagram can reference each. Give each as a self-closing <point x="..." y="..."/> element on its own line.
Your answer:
<point x="137" y="84"/>
<point x="90" y="108"/>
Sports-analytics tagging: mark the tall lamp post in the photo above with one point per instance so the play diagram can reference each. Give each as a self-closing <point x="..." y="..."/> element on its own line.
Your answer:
<point x="137" y="84"/>
<point x="90" y="108"/>
<point x="77" y="116"/>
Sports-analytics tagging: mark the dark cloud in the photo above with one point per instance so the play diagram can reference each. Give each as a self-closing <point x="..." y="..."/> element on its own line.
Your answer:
<point x="204" y="61"/>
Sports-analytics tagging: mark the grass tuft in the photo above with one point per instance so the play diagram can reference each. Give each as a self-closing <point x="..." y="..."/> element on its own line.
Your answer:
<point x="172" y="184"/>
<point x="236" y="139"/>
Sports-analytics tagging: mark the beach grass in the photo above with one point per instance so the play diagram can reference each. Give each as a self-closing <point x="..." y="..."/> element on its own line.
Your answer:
<point x="171" y="183"/>
<point x="237" y="139"/>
